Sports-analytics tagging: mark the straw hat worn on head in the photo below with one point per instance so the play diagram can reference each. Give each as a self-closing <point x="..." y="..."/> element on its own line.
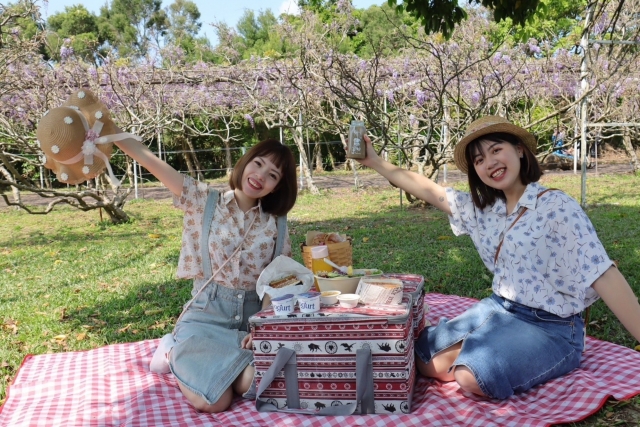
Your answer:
<point x="484" y="126"/>
<point x="77" y="138"/>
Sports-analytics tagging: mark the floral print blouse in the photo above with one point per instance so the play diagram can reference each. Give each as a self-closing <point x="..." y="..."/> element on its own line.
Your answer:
<point x="227" y="231"/>
<point x="549" y="259"/>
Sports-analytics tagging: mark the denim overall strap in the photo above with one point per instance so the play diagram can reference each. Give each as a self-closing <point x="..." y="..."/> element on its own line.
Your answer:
<point x="281" y="224"/>
<point x="209" y="211"/>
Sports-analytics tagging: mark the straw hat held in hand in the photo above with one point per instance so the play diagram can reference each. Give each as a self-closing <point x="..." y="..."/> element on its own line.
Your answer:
<point x="77" y="138"/>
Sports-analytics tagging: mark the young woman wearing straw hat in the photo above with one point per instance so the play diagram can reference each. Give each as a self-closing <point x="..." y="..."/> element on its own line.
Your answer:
<point x="547" y="262"/>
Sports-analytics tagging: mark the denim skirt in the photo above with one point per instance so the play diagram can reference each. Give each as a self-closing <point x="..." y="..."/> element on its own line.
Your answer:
<point x="508" y="347"/>
<point x="207" y="357"/>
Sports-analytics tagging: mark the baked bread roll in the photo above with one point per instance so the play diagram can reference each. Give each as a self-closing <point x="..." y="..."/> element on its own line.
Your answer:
<point x="319" y="239"/>
<point x="334" y="238"/>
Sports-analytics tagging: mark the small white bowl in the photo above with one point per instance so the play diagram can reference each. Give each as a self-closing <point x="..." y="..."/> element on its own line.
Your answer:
<point x="348" y="300"/>
<point x="329" y="297"/>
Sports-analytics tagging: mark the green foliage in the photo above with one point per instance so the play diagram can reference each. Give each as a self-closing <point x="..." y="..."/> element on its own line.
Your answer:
<point x="382" y="30"/>
<point x="324" y="8"/>
<point x="258" y="35"/>
<point x="555" y="21"/>
<point x="184" y="20"/>
<point x="443" y="15"/>
<point x="130" y="25"/>
<point x="80" y="26"/>
<point x="26" y="20"/>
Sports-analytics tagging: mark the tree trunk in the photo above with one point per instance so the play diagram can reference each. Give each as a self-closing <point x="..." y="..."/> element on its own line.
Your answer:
<point x="192" y="153"/>
<point x="47" y="178"/>
<point x="318" y="156"/>
<point x="304" y="166"/>
<point x="628" y="147"/>
<point x="116" y="214"/>
<point x="14" y="190"/>
<point x="228" y="158"/>
<point x="187" y="157"/>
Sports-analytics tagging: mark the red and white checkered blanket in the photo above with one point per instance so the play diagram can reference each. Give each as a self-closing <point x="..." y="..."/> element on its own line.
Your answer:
<point x="112" y="386"/>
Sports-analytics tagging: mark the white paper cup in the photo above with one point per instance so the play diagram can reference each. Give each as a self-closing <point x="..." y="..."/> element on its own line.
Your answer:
<point x="309" y="302"/>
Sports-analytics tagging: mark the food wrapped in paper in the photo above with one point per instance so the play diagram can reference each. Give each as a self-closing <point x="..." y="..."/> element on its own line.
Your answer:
<point x="275" y="280"/>
<point x="380" y="290"/>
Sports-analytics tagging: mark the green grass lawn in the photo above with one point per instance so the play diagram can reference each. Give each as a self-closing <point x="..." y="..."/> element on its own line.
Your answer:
<point x="70" y="282"/>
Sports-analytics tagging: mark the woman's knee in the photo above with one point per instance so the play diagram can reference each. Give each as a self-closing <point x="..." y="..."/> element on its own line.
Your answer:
<point x="466" y="380"/>
<point x="439" y="367"/>
<point x="198" y="402"/>
<point x="242" y="384"/>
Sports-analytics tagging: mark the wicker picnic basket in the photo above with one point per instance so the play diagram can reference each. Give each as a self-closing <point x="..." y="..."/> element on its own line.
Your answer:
<point x="340" y="253"/>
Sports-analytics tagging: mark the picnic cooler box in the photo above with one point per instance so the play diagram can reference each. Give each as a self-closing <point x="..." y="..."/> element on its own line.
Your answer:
<point x="414" y="285"/>
<point x="325" y="345"/>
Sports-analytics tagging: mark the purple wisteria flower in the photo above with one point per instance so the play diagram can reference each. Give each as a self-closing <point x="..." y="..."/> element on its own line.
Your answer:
<point x="66" y="51"/>
<point x="390" y="96"/>
<point x="250" y="120"/>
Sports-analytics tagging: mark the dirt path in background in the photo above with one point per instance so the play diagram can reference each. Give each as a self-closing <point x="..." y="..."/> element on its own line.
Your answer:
<point x="329" y="180"/>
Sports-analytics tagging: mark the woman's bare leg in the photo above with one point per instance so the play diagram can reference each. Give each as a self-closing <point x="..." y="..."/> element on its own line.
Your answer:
<point x="243" y="382"/>
<point x="467" y="381"/>
<point x="200" y="404"/>
<point x="438" y="367"/>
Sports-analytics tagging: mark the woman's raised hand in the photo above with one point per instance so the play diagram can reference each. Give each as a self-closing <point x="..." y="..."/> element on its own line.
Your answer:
<point x="372" y="156"/>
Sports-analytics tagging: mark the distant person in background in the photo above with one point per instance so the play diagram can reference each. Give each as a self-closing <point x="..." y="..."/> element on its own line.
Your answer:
<point x="557" y="139"/>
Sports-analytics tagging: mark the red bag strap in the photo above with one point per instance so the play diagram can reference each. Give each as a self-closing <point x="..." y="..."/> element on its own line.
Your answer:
<point x="495" y="258"/>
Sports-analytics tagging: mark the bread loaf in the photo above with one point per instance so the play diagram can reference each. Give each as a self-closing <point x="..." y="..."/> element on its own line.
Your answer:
<point x="319" y="239"/>
<point x="285" y="281"/>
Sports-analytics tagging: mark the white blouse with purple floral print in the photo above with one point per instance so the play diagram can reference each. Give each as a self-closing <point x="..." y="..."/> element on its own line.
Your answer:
<point x="549" y="259"/>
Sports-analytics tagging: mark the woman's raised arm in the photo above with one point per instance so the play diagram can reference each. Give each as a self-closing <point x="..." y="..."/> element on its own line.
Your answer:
<point x="411" y="182"/>
<point x="171" y="178"/>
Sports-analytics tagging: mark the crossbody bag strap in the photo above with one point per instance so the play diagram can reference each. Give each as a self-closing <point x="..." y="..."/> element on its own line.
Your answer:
<point x="495" y="258"/>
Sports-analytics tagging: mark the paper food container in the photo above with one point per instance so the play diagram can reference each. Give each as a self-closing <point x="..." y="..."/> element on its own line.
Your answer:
<point x="380" y="290"/>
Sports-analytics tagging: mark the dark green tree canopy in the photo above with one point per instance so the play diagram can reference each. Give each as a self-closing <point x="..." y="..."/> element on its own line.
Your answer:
<point x="443" y="15"/>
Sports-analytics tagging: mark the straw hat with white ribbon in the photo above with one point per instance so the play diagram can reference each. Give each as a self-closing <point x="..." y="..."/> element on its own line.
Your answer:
<point x="77" y="138"/>
<point x="484" y="126"/>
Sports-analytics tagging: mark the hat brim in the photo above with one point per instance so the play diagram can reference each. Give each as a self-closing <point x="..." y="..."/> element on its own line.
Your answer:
<point x="524" y="135"/>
